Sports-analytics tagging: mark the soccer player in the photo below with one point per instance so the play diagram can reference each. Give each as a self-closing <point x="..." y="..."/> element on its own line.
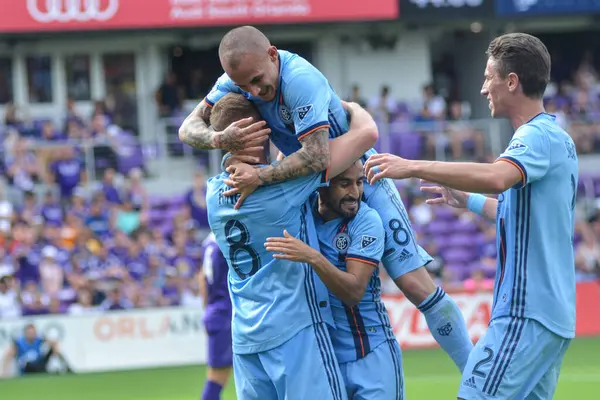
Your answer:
<point x="351" y="239"/>
<point x="280" y="309"/>
<point x="217" y="318"/>
<point x="533" y="315"/>
<point x="303" y="112"/>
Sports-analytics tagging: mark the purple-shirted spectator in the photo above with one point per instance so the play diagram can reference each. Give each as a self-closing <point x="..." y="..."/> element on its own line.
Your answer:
<point x="111" y="193"/>
<point x="196" y="200"/>
<point x="68" y="172"/>
<point x="170" y="292"/>
<point x="136" y="262"/>
<point x="52" y="210"/>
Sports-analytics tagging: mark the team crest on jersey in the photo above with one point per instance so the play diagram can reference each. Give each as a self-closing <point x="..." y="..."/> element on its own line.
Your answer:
<point x="285" y="114"/>
<point x="341" y="241"/>
<point x="571" y="152"/>
<point x="517" y="147"/>
<point x="303" y="111"/>
<point x="367" y="241"/>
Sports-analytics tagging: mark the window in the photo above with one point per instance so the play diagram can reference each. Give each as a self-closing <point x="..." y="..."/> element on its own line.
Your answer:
<point x="39" y="79"/>
<point x="6" y="88"/>
<point x="77" y="68"/>
<point x="119" y="74"/>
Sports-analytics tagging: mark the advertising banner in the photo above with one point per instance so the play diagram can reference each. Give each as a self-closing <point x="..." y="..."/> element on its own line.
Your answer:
<point x="120" y="340"/>
<point x="411" y="329"/>
<point x="528" y="8"/>
<point x="71" y="15"/>
<point x="444" y="9"/>
<point x="176" y="336"/>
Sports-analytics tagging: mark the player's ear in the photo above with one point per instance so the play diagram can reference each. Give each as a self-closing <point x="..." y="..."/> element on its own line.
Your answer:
<point x="513" y="82"/>
<point x="273" y="55"/>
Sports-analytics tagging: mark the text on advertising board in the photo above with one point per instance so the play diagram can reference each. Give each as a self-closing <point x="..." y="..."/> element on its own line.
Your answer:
<point x="118" y="326"/>
<point x="443" y="9"/>
<point x="546" y="7"/>
<point x="64" y="15"/>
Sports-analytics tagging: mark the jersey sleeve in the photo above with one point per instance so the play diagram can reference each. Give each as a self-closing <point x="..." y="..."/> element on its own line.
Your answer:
<point x="529" y="151"/>
<point x="298" y="191"/>
<point x="367" y="239"/>
<point x="308" y="94"/>
<point x="223" y="86"/>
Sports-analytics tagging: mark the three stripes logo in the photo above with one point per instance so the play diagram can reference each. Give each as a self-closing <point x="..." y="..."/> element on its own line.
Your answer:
<point x="470" y="383"/>
<point x="405" y="255"/>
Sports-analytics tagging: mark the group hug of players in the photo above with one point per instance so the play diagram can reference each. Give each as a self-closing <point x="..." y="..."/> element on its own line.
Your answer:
<point x="298" y="242"/>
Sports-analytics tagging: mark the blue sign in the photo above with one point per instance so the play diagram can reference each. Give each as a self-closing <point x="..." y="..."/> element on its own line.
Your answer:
<point x="546" y="7"/>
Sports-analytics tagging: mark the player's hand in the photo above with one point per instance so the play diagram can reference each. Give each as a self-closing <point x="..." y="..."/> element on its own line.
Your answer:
<point x="241" y="157"/>
<point x="380" y="166"/>
<point x="243" y="135"/>
<point x="452" y="197"/>
<point x="289" y="248"/>
<point x="244" y="180"/>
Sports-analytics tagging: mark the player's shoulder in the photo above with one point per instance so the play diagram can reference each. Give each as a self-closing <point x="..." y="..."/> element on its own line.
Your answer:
<point x="225" y="83"/>
<point x="295" y="67"/>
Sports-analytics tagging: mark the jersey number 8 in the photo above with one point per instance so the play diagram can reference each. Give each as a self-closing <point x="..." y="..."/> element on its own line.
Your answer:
<point x="238" y="240"/>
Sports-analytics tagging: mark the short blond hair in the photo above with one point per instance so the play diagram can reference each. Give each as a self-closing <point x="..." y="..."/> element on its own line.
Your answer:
<point x="230" y="108"/>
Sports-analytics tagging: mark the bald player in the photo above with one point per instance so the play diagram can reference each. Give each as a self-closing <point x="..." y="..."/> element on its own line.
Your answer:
<point x="303" y="112"/>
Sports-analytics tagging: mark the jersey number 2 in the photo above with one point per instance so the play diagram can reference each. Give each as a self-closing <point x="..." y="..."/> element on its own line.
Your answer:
<point x="477" y="368"/>
<point x="238" y="239"/>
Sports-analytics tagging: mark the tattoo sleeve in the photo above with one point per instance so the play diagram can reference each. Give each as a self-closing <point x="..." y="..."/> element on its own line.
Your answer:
<point x="195" y="132"/>
<point x="312" y="157"/>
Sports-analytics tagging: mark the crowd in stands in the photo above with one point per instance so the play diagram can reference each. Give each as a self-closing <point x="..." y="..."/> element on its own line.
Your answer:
<point x="76" y="246"/>
<point x="95" y="250"/>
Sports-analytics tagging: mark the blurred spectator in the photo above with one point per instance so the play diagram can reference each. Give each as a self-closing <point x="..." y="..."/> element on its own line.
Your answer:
<point x="169" y="96"/>
<point x="356" y="97"/>
<point x="196" y="200"/>
<point x="9" y="300"/>
<point x="384" y="106"/>
<point x="115" y="300"/>
<point x="198" y="86"/>
<point x="434" y="105"/>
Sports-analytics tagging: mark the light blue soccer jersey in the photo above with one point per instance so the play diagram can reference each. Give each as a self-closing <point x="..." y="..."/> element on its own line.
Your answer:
<point x="305" y="103"/>
<point x="535" y="225"/>
<point x="272" y="299"/>
<point x="359" y="329"/>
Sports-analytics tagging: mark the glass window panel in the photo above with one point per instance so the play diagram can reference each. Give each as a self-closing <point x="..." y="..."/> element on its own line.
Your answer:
<point x="39" y="79"/>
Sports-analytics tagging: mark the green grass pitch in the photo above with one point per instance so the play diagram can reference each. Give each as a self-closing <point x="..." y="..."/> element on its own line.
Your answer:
<point x="429" y="374"/>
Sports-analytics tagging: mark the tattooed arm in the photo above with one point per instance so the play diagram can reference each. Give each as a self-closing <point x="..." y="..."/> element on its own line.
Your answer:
<point x="195" y="131"/>
<point x="312" y="157"/>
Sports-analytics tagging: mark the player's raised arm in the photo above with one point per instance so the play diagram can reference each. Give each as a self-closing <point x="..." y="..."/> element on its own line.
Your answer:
<point x="308" y="96"/>
<point x="237" y="135"/>
<point x="361" y="137"/>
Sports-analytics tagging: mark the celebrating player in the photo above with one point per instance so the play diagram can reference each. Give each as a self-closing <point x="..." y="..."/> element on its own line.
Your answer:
<point x="217" y="319"/>
<point x="281" y="309"/>
<point x="303" y="112"/>
<point x="351" y="239"/>
<point x="533" y="316"/>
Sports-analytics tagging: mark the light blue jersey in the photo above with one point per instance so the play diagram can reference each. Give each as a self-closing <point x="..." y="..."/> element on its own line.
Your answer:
<point x="535" y="225"/>
<point x="305" y="102"/>
<point x="272" y="299"/>
<point x="361" y="328"/>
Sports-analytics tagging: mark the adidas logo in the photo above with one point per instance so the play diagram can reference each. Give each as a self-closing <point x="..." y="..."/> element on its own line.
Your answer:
<point x="470" y="383"/>
<point x="405" y="255"/>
